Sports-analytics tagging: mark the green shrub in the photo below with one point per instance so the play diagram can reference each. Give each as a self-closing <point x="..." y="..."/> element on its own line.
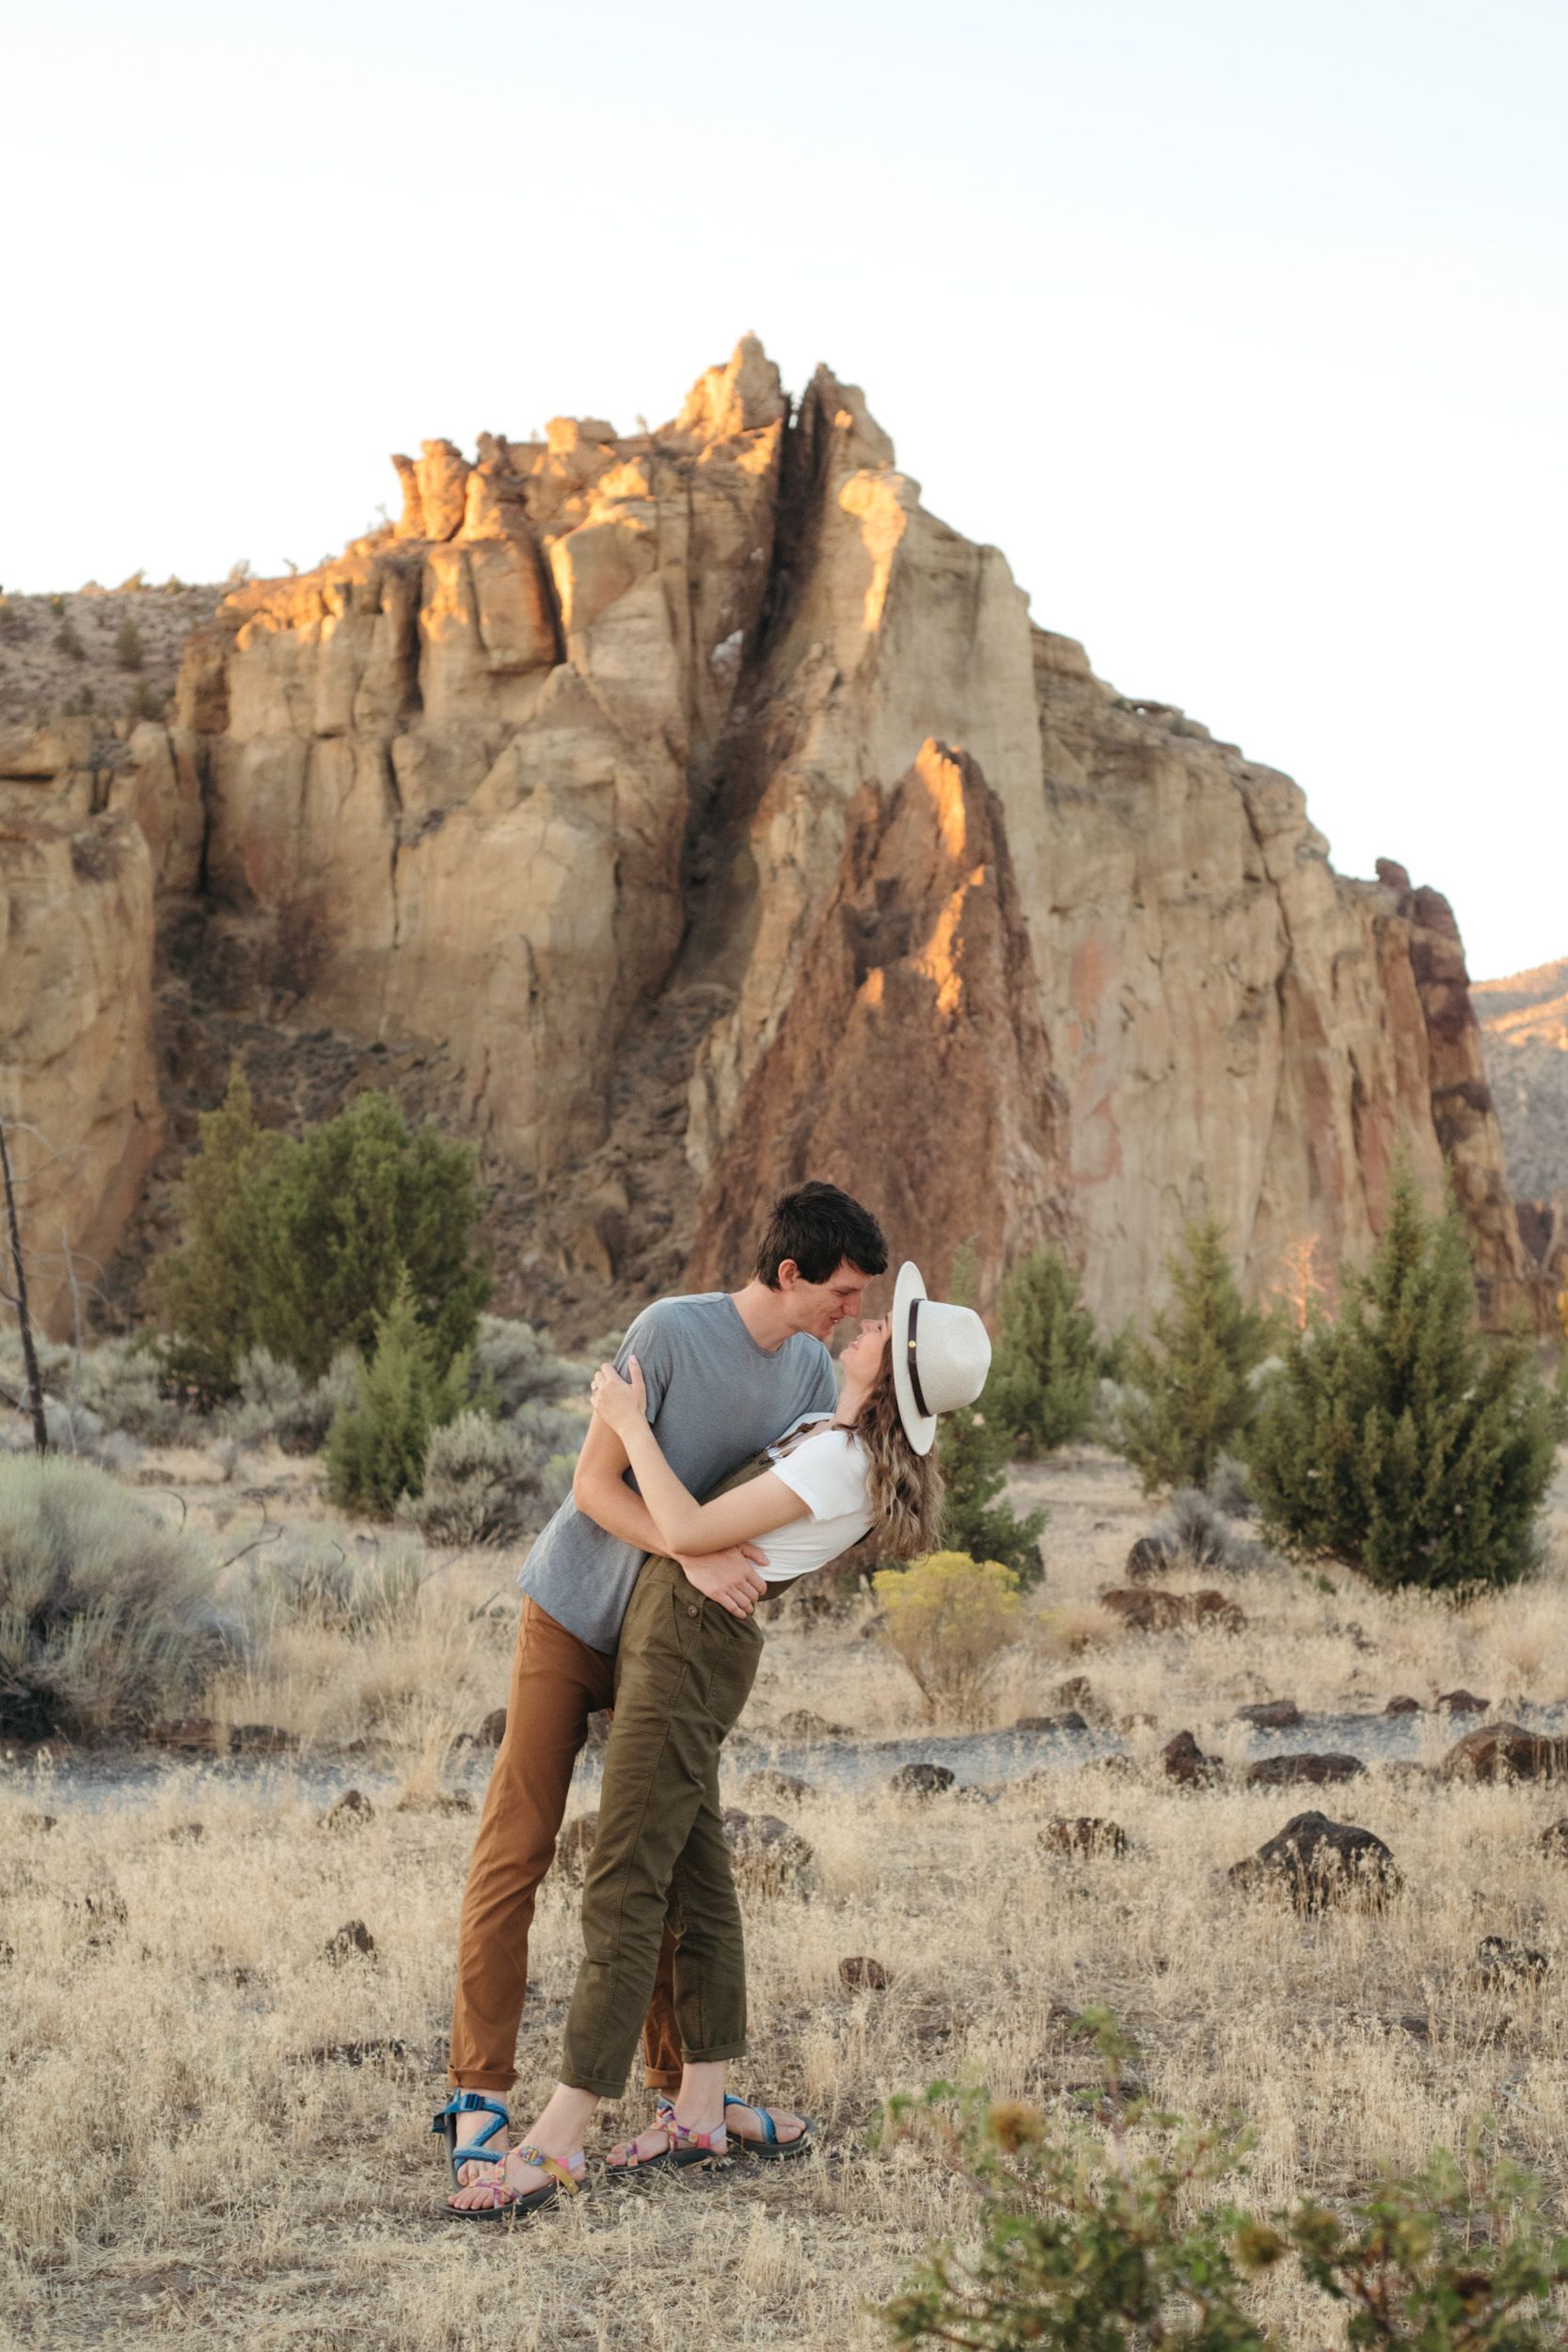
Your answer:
<point x="298" y="1245"/>
<point x="1192" y="1393"/>
<point x="482" y="1485"/>
<point x="106" y="1616"/>
<point x="949" y="1618"/>
<point x="1396" y="1439"/>
<point x="274" y="1405"/>
<point x="974" y="1451"/>
<point x="67" y="640"/>
<point x="128" y="645"/>
<point x="375" y="1453"/>
<point x="1045" y="1375"/>
<point x="1122" y="2234"/>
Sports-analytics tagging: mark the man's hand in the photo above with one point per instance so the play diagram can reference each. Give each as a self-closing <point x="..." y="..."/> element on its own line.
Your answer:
<point x="730" y="1577"/>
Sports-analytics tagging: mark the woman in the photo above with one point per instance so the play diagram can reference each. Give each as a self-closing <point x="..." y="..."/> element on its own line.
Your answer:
<point x="684" y="1671"/>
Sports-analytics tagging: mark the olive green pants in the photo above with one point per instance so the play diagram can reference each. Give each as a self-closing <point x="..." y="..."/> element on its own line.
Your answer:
<point x="682" y="1673"/>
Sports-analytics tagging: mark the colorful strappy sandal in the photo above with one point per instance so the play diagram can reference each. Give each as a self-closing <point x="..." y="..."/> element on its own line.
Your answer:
<point x="504" y="2198"/>
<point x="770" y="2149"/>
<point x="683" y="2147"/>
<point x="445" y="2125"/>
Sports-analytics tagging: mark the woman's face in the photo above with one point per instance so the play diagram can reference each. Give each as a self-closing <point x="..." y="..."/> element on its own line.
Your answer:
<point x="864" y="1354"/>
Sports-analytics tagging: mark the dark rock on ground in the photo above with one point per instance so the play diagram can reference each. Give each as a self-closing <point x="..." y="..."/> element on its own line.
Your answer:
<point x="352" y="1810"/>
<point x="186" y="1833"/>
<point x="784" y="1788"/>
<point x="37" y="1822"/>
<point x="768" y="1855"/>
<point x="352" y="1938"/>
<point x="356" y="2053"/>
<point x="922" y="1779"/>
<point x="1084" y="1835"/>
<point x="261" y="1739"/>
<point x="1317" y="1862"/>
<point x="1462" y="1703"/>
<point x="1077" y="1691"/>
<point x="186" y="1735"/>
<point x="1403" y="1705"/>
<point x="862" y="1974"/>
<point x="574" y="1845"/>
<point x="1504" y="1752"/>
<point x="1143" y="1611"/>
<point x="1554" y="1839"/>
<point x="1185" y="1762"/>
<point x="801" y="1724"/>
<point x="491" y="1731"/>
<point x="1279" y="1772"/>
<point x="1033" y="1724"/>
<point x="1150" y="1556"/>
<point x="1502" y="1963"/>
<point x="1270" y="1714"/>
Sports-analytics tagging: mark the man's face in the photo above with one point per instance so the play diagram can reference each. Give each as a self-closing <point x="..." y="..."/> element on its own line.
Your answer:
<point x="820" y="1307"/>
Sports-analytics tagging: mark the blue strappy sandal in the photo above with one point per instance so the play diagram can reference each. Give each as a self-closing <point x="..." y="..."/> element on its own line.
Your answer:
<point x="478" y="2150"/>
<point x="769" y="2148"/>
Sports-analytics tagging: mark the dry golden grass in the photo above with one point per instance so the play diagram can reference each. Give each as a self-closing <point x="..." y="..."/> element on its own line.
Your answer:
<point x="183" y="2163"/>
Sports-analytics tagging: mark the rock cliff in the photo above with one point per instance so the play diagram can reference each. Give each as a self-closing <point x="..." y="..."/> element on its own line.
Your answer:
<point x="679" y="811"/>
<point x="1523" y="1022"/>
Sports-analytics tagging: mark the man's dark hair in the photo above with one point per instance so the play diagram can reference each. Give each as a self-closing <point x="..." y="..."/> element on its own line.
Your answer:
<point x="821" y="1229"/>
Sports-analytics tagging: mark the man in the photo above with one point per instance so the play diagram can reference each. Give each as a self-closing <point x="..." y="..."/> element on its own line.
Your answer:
<point x="726" y="1373"/>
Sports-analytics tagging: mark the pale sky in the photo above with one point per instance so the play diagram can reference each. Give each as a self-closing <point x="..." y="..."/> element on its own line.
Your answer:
<point x="1239" y="324"/>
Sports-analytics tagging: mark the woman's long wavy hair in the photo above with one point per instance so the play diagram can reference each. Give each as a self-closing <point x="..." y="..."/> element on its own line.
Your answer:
<point x="906" y="1487"/>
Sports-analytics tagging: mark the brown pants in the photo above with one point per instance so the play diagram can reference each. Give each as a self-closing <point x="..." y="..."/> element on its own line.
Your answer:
<point x="556" y="1683"/>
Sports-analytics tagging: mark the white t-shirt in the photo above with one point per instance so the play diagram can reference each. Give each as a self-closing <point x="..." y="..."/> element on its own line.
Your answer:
<point x="831" y="1471"/>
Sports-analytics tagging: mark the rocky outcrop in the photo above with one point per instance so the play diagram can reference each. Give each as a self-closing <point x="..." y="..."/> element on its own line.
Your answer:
<point x="1524" y="1024"/>
<point x="78" y="1082"/>
<point x="693" y="808"/>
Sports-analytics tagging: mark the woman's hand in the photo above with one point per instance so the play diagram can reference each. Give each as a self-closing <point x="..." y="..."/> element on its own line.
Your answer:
<point x="621" y="1404"/>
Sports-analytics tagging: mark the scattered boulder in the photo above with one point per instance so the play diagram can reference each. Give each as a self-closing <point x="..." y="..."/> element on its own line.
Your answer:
<point x="1077" y="1691"/>
<point x="1143" y="1611"/>
<point x="1462" y="1703"/>
<point x="352" y="1810"/>
<point x="1403" y="1705"/>
<point x="574" y="1845"/>
<point x="863" y="1974"/>
<point x="1500" y="1963"/>
<point x="261" y="1739"/>
<point x="491" y="1731"/>
<point x="1554" y="1840"/>
<point x="922" y="1779"/>
<point x="1082" y="1834"/>
<point x="1035" y="1724"/>
<point x="39" y="1823"/>
<point x="1317" y="1862"/>
<point x="186" y="1735"/>
<point x="186" y="1833"/>
<point x="1280" y="1771"/>
<point x="1185" y="1762"/>
<point x="784" y="1788"/>
<point x="768" y="1855"/>
<point x="1504" y="1752"/>
<point x="1150" y="1556"/>
<point x="353" y="1937"/>
<point x="1270" y="1714"/>
<point x="801" y="1724"/>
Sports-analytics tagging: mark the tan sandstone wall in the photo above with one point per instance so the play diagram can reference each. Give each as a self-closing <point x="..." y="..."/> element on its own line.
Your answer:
<point x="622" y="770"/>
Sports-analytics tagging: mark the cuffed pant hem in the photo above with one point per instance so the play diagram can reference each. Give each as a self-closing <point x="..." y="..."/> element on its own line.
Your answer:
<point x="498" y="2084"/>
<point x="661" y="2077"/>
<point x="718" y="2055"/>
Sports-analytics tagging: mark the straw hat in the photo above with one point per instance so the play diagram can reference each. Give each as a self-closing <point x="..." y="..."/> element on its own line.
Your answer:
<point x="941" y="1356"/>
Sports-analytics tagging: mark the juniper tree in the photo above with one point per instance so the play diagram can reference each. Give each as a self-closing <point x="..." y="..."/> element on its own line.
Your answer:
<point x="1397" y="1438"/>
<point x="973" y="1448"/>
<point x="376" y="1448"/>
<point x="1044" y="1377"/>
<point x="1192" y="1387"/>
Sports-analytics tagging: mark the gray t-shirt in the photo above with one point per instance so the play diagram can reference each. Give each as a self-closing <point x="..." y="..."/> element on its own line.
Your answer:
<point x="714" y="1398"/>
